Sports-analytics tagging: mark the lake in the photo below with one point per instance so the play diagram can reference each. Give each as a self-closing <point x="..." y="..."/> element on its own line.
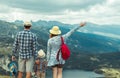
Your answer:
<point x="77" y="74"/>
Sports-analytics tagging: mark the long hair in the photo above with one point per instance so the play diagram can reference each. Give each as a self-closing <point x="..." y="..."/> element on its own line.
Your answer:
<point x="52" y="35"/>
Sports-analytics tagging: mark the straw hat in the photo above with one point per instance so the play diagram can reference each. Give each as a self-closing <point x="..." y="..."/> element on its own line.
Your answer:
<point x="27" y="23"/>
<point x="55" y="30"/>
<point x="41" y="53"/>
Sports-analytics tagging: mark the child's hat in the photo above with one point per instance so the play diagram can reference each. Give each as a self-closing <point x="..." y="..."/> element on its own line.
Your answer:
<point x="41" y="53"/>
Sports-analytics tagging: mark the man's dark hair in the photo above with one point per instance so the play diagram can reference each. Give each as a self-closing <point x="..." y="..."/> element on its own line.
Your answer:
<point x="27" y="27"/>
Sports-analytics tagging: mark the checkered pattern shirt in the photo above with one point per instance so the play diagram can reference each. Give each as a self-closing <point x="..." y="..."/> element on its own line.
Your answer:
<point x="25" y="43"/>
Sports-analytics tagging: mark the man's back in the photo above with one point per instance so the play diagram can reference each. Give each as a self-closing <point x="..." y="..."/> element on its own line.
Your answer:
<point x="26" y="44"/>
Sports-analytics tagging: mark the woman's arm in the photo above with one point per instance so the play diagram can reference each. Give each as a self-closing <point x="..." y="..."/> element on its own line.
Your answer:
<point x="65" y="36"/>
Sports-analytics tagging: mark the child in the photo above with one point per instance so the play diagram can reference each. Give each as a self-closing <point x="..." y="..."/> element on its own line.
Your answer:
<point x="40" y="65"/>
<point x="13" y="66"/>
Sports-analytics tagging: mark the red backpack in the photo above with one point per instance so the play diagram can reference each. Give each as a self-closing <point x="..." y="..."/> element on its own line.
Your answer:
<point x="65" y="52"/>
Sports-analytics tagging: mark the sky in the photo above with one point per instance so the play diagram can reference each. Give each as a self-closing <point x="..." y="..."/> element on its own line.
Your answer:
<point x="66" y="11"/>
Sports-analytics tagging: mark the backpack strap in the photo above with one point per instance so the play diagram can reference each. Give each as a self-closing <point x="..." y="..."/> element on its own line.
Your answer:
<point x="62" y="42"/>
<point x="58" y="53"/>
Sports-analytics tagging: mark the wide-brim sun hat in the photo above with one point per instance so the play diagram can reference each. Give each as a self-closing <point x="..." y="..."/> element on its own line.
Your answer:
<point x="55" y="30"/>
<point x="27" y="23"/>
<point x="41" y="53"/>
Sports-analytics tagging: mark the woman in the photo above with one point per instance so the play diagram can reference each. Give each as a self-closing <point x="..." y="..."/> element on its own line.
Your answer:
<point x="52" y="48"/>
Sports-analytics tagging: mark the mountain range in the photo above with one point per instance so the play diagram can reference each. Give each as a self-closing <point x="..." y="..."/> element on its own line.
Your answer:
<point x="92" y="47"/>
<point x="92" y="38"/>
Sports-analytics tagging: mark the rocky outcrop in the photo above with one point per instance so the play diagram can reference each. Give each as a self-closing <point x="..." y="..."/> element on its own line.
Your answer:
<point x="4" y="61"/>
<point x="109" y="72"/>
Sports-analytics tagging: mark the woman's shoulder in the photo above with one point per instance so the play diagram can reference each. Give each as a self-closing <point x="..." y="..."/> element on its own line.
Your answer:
<point x="54" y="38"/>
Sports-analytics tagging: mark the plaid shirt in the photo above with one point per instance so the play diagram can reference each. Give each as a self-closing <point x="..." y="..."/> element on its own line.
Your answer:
<point x="25" y="43"/>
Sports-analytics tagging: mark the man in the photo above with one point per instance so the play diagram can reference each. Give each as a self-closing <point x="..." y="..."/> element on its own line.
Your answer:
<point x="25" y="43"/>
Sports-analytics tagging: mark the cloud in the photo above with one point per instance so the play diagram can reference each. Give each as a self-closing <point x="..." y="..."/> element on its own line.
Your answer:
<point x="106" y="13"/>
<point x="50" y="6"/>
<point x="4" y="9"/>
<point x="66" y="11"/>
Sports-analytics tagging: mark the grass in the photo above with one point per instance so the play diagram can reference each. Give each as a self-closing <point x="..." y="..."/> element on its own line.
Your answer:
<point x="4" y="76"/>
